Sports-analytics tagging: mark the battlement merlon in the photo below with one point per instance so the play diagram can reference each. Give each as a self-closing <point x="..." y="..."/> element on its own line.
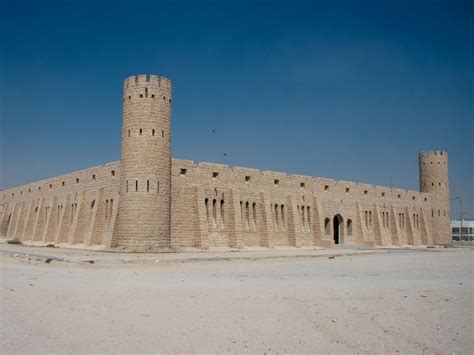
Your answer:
<point x="142" y="81"/>
<point x="440" y="154"/>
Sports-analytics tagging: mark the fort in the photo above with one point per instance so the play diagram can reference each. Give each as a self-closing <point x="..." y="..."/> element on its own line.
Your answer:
<point x="148" y="201"/>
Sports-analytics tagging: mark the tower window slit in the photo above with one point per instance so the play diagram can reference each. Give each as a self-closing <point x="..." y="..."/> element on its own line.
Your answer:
<point x="136" y="185"/>
<point x="148" y="186"/>
<point x="153" y="132"/>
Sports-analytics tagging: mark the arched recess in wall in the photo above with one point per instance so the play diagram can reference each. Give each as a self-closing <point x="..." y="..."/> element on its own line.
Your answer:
<point x="254" y="210"/>
<point x="6" y="224"/>
<point x="282" y="215"/>
<point x="247" y="214"/>
<point x="308" y="216"/>
<point x="214" y="211"/>
<point x="92" y="206"/>
<point x="327" y="226"/>
<point x="349" y="227"/>
<point x="206" y="203"/>
<point x="222" y="213"/>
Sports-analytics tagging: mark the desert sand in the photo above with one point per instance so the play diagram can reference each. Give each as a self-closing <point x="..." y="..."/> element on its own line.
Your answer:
<point x="318" y="301"/>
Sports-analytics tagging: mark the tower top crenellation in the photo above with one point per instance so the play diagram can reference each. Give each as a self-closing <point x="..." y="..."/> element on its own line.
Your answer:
<point x="431" y="153"/>
<point x="143" y="80"/>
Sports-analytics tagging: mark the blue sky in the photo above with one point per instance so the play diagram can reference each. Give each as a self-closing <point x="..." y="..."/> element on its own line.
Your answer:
<point x="341" y="89"/>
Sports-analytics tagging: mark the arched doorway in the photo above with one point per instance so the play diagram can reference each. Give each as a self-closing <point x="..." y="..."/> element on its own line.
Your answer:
<point x="337" y="228"/>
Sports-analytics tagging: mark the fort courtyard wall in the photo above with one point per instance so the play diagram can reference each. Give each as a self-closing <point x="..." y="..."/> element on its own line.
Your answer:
<point x="150" y="202"/>
<point x="216" y="206"/>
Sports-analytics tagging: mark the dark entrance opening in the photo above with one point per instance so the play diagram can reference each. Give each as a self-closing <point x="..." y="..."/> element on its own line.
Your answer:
<point x="337" y="224"/>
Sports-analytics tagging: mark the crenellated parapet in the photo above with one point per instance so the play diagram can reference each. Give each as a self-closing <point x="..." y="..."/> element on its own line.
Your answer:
<point x="147" y="87"/>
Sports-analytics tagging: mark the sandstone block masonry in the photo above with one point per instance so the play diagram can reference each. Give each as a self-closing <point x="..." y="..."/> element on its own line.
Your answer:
<point x="148" y="201"/>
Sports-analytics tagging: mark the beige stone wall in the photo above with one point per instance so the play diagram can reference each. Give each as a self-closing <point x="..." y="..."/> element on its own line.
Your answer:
<point x="246" y="207"/>
<point x="76" y="208"/>
<point x="149" y="202"/>
<point x="216" y="206"/>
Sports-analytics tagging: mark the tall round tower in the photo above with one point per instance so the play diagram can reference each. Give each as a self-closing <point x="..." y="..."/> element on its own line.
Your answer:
<point x="143" y="221"/>
<point x="435" y="181"/>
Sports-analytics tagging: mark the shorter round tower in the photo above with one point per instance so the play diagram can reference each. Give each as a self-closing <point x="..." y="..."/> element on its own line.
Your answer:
<point x="434" y="180"/>
<point x="144" y="214"/>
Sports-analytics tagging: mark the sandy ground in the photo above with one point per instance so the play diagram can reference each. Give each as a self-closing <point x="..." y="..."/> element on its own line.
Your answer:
<point x="397" y="300"/>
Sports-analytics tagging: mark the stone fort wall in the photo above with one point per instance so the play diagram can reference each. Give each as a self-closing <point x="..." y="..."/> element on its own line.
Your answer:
<point x="150" y="202"/>
<point x="217" y="206"/>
